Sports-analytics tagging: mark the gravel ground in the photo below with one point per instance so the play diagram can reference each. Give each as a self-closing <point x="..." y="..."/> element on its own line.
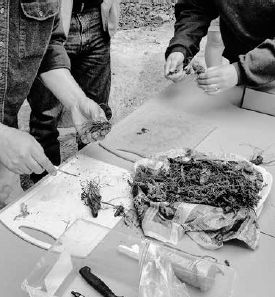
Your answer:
<point x="141" y="13"/>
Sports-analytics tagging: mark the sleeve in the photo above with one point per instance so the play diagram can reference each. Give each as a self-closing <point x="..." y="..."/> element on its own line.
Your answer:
<point x="257" y="67"/>
<point x="193" y="18"/>
<point x="56" y="56"/>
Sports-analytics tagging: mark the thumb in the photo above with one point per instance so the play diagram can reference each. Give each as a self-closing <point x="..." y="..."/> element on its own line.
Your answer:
<point x="96" y="113"/>
<point x="102" y="115"/>
<point x="174" y="64"/>
<point x="167" y="66"/>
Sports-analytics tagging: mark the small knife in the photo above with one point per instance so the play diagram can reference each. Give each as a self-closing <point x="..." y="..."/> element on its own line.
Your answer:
<point x="65" y="172"/>
<point x="96" y="282"/>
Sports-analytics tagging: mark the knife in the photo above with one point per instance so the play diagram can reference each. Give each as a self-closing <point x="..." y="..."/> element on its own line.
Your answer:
<point x="96" y="282"/>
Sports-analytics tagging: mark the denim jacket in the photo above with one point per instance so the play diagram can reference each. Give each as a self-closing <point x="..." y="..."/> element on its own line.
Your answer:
<point x="31" y="42"/>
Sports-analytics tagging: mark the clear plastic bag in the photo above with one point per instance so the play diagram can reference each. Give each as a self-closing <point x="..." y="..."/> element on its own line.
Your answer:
<point x="129" y="264"/>
<point x="157" y="277"/>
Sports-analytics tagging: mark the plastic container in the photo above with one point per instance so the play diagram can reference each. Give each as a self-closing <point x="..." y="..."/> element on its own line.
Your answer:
<point x="118" y="259"/>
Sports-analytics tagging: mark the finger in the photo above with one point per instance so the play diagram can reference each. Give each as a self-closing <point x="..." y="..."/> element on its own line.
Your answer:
<point x="34" y="166"/>
<point x="84" y="139"/>
<point x="87" y="138"/>
<point x="167" y="67"/>
<point x="102" y="115"/>
<point x="100" y="137"/>
<point x="177" y="76"/>
<point x="209" y="75"/>
<point x="28" y="170"/>
<point x="210" y="88"/>
<point x="104" y="132"/>
<point x="48" y="166"/>
<point x="209" y="81"/>
<point x="214" y="92"/>
<point x="95" y="136"/>
<point x="213" y="68"/>
<point x="44" y="162"/>
<point x="22" y="168"/>
<point x="174" y="65"/>
<point x="18" y="170"/>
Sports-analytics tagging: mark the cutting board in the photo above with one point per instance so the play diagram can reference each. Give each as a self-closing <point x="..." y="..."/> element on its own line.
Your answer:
<point x="54" y="204"/>
<point x="157" y="127"/>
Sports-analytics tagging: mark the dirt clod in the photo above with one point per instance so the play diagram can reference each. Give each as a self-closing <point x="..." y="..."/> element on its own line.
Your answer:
<point x="226" y="262"/>
<point x="142" y="131"/>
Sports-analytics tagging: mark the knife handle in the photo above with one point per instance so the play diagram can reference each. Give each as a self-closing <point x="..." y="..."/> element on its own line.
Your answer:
<point x="96" y="282"/>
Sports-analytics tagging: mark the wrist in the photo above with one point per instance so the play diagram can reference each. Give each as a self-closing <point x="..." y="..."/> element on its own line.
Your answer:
<point x="175" y="49"/>
<point x="77" y="102"/>
<point x="74" y="101"/>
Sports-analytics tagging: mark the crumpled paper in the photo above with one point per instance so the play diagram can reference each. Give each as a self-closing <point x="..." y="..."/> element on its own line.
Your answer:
<point x="208" y="226"/>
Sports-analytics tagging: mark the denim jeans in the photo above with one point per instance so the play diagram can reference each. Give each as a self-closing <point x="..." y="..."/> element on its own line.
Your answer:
<point x="88" y="47"/>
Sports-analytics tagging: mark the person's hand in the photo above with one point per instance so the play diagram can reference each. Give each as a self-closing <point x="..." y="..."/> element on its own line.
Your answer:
<point x="218" y="79"/>
<point x="83" y="114"/>
<point x="22" y="154"/>
<point x="173" y="68"/>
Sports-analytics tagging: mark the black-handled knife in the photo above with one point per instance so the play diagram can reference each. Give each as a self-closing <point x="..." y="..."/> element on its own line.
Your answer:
<point x="96" y="282"/>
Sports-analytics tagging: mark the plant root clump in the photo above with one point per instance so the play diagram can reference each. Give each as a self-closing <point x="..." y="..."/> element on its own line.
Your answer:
<point x="91" y="196"/>
<point x="231" y="185"/>
<point x="97" y="130"/>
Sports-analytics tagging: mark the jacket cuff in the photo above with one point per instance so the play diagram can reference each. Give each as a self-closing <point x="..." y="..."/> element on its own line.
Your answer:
<point x="177" y="48"/>
<point x="240" y="73"/>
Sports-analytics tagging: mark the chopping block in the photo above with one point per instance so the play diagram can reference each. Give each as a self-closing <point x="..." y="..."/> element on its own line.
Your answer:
<point x="157" y="126"/>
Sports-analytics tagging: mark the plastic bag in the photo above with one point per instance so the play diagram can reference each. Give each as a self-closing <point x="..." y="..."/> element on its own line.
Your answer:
<point x="157" y="278"/>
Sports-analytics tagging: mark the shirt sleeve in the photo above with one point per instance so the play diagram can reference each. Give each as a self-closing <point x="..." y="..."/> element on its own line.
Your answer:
<point x="56" y="56"/>
<point x="258" y="65"/>
<point x="193" y="18"/>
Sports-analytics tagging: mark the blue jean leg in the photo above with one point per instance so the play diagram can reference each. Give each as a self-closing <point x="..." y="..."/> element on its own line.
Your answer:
<point x="45" y="114"/>
<point x="88" y="47"/>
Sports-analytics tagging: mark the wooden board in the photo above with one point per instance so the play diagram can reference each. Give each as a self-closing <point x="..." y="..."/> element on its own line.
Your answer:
<point x="56" y="202"/>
